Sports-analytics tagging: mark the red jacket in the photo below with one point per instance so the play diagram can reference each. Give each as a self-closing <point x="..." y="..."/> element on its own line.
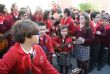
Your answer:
<point x="49" y="25"/>
<point x="107" y="37"/>
<point x="46" y="41"/>
<point x="70" y="23"/>
<point x="86" y="34"/>
<point x="58" y="41"/>
<point x="99" y="27"/>
<point x="37" y="18"/>
<point x="5" y="25"/>
<point x="16" y="61"/>
<point x="14" y="17"/>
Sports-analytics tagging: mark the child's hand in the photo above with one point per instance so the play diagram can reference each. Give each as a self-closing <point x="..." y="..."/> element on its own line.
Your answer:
<point x="98" y="32"/>
<point x="69" y="45"/>
<point x="80" y="40"/>
<point x="74" y="38"/>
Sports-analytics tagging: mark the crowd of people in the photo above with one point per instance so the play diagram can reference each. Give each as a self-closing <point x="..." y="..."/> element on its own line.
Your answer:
<point x="29" y="42"/>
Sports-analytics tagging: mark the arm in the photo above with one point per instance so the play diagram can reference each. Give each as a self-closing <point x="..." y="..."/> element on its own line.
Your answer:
<point x="49" y="44"/>
<point x="8" y="62"/>
<point x="46" y="67"/>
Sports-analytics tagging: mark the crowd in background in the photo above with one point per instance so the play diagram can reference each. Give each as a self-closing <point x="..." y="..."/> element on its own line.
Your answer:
<point x="68" y="33"/>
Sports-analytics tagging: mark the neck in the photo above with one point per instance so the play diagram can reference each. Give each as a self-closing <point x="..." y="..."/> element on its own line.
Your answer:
<point x="27" y="46"/>
<point x="66" y="17"/>
<point x="63" y="37"/>
<point x="42" y="35"/>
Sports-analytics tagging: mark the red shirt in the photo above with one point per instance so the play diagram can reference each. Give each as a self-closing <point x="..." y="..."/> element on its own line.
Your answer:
<point x="47" y="41"/>
<point x="70" y="23"/>
<point x="99" y="27"/>
<point x="16" y="61"/>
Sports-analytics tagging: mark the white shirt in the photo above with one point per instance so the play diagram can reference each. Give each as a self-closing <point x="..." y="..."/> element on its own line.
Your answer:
<point x="30" y="52"/>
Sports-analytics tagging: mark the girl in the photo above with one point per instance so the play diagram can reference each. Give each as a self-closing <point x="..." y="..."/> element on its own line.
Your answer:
<point x="47" y="20"/>
<point x="25" y="57"/>
<point x="38" y="15"/>
<point x="14" y="13"/>
<point x="5" y="26"/>
<point x="84" y="37"/>
<point x="29" y="13"/>
<point x="64" y="56"/>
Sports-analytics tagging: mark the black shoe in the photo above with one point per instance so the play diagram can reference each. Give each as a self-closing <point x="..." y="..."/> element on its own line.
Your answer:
<point x="99" y="68"/>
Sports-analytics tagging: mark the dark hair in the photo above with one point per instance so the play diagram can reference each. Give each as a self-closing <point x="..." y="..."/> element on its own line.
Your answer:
<point x="41" y="23"/>
<point x="66" y="10"/>
<point x="12" y="7"/>
<point x="61" y="28"/>
<point x="87" y="23"/>
<point x="93" y="15"/>
<point x="22" y="29"/>
<point x="2" y="6"/>
<point x="46" y="14"/>
<point x="22" y="11"/>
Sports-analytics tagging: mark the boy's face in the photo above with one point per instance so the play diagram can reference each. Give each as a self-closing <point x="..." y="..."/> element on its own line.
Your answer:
<point x="42" y="30"/>
<point x="64" y="32"/>
<point x="97" y="18"/>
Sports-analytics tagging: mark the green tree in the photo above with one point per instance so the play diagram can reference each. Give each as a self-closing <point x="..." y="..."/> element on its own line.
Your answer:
<point x="87" y="6"/>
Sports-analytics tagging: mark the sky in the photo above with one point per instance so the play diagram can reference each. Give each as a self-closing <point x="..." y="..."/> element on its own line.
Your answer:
<point x="45" y="4"/>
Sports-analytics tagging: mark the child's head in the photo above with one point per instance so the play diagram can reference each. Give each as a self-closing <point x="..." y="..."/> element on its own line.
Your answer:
<point x="25" y="30"/>
<point x="42" y="28"/>
<point x="84" y="20"/>
<point x="95" y="17"/>
<point x="63" y="30"/>
<point x="14" y="7"/>
<point x="23" y="14"/>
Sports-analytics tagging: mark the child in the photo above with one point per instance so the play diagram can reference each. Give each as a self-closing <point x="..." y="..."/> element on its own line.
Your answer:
<point x="67" y="20"/>
<point x="96" y="45"/>
<point x="45" y="41"/>
<point x="48" y="21"/>
<point x="84" y="37"/>
<point x="64" y="56"/>
<point x="25" y="57"/>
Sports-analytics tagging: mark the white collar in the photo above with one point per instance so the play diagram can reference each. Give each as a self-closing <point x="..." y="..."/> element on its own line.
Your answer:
<point x="30" y="52"/>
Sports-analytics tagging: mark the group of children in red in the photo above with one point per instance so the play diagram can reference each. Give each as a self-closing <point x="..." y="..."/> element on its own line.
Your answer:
<point x="34" y="40"/>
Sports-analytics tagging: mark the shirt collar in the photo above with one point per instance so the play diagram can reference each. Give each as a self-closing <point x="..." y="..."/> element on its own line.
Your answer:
<point x="30" y="52"/>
